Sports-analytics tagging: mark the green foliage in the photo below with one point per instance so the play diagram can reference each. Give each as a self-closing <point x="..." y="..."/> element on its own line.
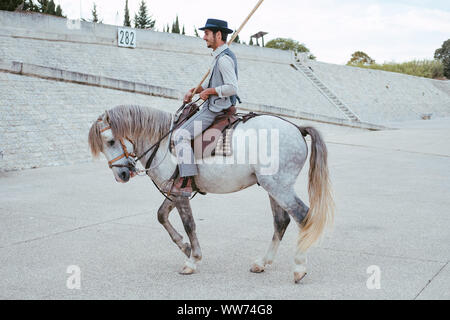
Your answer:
<point x="28" y="5"/>
<point x="58" y="11"/>
<point x="196" y="32"/>
<point x="421" y="68"/>
<point x="43" y="6"/>
<point x="288" y="44"/>
<point x="443" y="55"/>
<point x="94" y="14"/>
<point x="10" y="5"/>
<point x="359" y="58"/>
<point x="141" y="19"/>
<point x="237" y="39"/>
<point x="176" y="26"/>
<point x="126" y="20"/>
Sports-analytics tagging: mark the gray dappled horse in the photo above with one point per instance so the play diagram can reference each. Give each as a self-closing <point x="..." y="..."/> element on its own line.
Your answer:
<point x="126" y="130"/>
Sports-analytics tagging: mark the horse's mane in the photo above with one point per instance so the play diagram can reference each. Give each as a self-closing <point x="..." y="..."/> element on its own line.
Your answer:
<point x="129" y="121"/>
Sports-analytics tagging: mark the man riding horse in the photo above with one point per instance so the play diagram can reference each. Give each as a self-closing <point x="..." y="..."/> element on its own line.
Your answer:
<point x="126" y="134"/>
<point x="220" y="95"/>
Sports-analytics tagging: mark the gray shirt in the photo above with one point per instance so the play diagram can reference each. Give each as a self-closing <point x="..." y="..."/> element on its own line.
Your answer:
<point x="224" y="80"/>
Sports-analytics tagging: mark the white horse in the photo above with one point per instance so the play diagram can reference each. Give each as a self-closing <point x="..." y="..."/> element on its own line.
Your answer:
<point x="126" y="130"/>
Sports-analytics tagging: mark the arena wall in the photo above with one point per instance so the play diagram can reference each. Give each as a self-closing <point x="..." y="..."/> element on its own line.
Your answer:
<point x="56" y="77"/>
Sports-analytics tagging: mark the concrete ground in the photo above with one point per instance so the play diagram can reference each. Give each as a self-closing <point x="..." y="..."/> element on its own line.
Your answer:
<point x="393" y="212"/>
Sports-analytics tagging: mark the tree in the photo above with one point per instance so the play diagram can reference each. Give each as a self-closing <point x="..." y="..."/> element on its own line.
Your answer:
<point x="126" y="20"/>
<point x="237" y="39"/>
<point x="196" y="32"/>
<point x="59" y="11"/>
<point x="251" y="42"/>
<point x="51" y="7"/>
<point x="443" y="54"/>
<point x="141" y="19"/>
<point x="183" y="32"/>
<point x="10" y="5"/>
<point x="289" y="44"/>
<point x="360" y="58"/>
<point x="42" y="6"/>
<point x="176" y="26"/>
<point x="95" y="14"/>
<point x="28" y="5"/>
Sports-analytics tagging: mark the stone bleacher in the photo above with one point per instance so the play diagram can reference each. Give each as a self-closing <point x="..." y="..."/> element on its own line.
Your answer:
<point x="45" y="122"/>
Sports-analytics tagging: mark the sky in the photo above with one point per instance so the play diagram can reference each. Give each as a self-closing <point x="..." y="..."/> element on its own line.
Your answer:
<point x="387" y="30"/>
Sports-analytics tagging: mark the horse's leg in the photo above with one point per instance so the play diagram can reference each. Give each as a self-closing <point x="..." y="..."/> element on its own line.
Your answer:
<point x="184" y="208"/>
<point x="280" y="222"/>
<point x="300" y="260"/>
<point x="163" y="218"/>
<point x="287" y="199"/>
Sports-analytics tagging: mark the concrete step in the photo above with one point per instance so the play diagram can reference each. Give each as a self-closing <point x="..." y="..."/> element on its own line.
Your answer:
<point x="327" y="92"/>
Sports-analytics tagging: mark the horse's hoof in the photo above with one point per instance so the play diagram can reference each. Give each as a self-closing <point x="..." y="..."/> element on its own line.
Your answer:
<point x="256" y="268"/>
<point x="187" y="271"/>
<point x="298" y="276"/>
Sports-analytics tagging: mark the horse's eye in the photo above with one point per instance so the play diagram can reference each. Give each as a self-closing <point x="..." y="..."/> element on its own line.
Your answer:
<point x="111" y="143"/>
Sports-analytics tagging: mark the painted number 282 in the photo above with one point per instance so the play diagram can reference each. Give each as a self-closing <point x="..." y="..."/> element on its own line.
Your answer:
<point x="126" y="38"/>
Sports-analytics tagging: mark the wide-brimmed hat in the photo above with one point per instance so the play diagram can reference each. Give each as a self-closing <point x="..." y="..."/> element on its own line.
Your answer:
<point x="216" y="24"/>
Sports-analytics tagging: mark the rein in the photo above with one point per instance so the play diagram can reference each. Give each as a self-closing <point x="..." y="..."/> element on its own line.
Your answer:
<point x="133" y="158"/>
<point x="171" y="129"/>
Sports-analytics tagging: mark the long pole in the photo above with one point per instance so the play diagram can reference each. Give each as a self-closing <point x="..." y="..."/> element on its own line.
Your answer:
<point x="230" y="42"/>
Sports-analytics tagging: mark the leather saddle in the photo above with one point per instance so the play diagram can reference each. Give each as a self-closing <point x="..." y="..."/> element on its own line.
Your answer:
<point x="216" y="139"/>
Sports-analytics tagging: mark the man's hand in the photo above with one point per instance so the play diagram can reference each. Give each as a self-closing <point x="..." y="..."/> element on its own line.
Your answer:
<point x="204" y="95"/>
<point x="188" y="96"/>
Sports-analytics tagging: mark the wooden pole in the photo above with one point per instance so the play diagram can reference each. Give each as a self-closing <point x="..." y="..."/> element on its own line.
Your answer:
<point x="230" y="42"/>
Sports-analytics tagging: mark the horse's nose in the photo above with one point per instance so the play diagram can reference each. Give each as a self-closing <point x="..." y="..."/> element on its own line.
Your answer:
<point x="125" y="175"/>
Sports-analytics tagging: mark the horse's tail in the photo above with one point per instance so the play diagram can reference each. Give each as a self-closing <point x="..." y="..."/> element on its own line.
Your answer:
<point x="321" y="211"/>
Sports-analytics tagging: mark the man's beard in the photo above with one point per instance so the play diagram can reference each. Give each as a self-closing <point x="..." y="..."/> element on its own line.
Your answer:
<point x="212" y="44"/>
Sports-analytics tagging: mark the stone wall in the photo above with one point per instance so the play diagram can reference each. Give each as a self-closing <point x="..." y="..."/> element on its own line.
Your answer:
<point x="44" y="119"/>
<point x="45" y="123"/>
<point x="380" y="96"/>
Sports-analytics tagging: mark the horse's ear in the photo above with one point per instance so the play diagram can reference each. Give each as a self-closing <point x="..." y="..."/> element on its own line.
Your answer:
<point x="107" y="117"/>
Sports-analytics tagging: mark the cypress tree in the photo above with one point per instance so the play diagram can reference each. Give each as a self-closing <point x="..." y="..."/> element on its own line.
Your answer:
<point x="176" y="26"/>
<point x="51" y="8"/>
<point x="126" y="21"/>
<point x="58" y="11"/>
<point x="94" y="14"/>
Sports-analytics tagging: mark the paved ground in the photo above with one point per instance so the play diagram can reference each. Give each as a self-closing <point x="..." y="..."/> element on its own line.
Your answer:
<point x="392" y="195"/>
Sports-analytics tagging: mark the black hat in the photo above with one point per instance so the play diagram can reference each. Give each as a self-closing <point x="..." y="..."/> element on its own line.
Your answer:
<point x="213" y="24"/>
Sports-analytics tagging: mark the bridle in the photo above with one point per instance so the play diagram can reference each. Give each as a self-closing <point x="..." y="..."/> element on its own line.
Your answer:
<point x="125" y="153"/>
<point x="133" y="158"/>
